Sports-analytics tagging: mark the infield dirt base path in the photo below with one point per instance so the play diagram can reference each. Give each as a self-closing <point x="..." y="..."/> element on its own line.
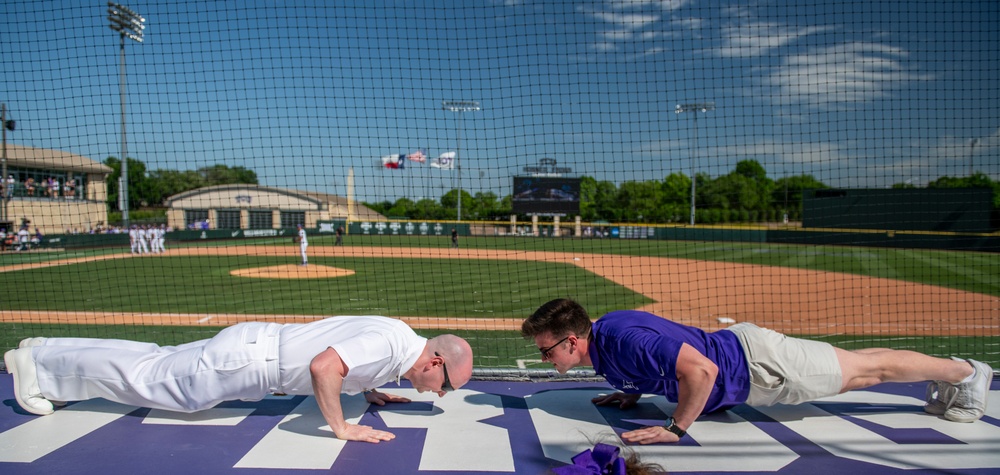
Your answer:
<point x="706" y="294"/>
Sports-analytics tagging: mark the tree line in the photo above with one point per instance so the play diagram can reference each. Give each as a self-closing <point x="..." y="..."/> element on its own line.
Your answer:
<point x="150" y="189"/>
<point x="745" y="194"/>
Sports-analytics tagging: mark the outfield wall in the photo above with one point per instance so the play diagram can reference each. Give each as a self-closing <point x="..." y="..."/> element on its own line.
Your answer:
<point x="863" y="238"/>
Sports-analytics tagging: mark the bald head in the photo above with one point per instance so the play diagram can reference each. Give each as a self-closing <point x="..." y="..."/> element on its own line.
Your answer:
<point x="457" y="355"/>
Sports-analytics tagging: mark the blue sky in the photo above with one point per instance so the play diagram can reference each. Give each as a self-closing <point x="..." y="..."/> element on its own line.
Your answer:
<point x="857" y="94"/>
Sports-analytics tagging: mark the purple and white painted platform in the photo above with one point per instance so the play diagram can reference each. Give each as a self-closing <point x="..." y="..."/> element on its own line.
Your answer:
<point x="497" y="428"/>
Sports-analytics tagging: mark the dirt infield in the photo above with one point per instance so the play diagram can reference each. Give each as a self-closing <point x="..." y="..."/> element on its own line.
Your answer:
<point x="705" y="294"/>
<point x="292" y="271"/>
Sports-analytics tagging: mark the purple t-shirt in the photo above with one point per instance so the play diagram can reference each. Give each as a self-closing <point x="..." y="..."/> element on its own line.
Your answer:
<point x="637" y="353"/>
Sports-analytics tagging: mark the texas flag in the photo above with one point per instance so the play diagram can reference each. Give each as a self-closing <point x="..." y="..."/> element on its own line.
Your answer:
<point x="417" y="156"/>
<point x="393" y="161"/>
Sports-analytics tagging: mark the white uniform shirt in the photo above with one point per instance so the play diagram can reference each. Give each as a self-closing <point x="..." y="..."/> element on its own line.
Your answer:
<point x="376" y="350"/>
<point x="302" y="237"/>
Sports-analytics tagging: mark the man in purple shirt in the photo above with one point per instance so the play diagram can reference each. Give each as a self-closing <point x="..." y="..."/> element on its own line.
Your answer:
<point x="641" y="353"/>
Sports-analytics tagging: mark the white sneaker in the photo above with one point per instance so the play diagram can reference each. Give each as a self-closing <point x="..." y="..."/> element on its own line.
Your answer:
<point x="21" y="364"/>
<point x="940" y="396"/>
<point x="35" y="341"/>
<point x="970" y="401"/>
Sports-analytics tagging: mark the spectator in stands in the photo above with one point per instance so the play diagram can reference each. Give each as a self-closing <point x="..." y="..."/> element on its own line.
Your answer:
<point x="9" y="186"/>
<point x="69" y="188"/>
<point x="29" y="186"/>
<point x="3" y="239"/>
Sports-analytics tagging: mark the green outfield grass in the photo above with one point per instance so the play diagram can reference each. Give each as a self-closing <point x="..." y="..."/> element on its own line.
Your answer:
<point x="380" y="286"/>
<point x="443" y="288"/>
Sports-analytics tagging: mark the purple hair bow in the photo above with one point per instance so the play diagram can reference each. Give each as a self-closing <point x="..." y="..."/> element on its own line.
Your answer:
<point x="602" y="460"/>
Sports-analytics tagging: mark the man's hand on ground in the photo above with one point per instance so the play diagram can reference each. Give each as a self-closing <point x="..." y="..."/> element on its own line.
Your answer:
<point x="624" y="401"/>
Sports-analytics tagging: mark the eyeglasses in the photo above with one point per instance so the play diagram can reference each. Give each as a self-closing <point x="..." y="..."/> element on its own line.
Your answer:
<point x="446" y="386"/>
<point x="546" y="351"/>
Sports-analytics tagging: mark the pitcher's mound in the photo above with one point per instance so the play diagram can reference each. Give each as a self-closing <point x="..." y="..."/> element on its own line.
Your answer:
<point x="293" y="271"/>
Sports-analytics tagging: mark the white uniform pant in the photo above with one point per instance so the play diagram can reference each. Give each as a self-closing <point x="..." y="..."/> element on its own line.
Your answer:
<point x="302" y="248"/>
<point x="241" y="362"/>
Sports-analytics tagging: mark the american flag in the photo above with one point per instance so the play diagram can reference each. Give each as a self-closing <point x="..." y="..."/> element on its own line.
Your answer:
<point x="417" y="156"/>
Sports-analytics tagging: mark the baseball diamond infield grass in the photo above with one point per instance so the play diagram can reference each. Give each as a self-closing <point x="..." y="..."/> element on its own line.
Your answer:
<point x="404" y="286"/>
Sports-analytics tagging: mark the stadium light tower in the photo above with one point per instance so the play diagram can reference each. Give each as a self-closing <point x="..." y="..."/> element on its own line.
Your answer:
<point x="972" y="156"/>
<point x="695" y="107"/>
<point x="459" y="106"/>
<point x="128" y="24"/>
<point x="7" y="191"/>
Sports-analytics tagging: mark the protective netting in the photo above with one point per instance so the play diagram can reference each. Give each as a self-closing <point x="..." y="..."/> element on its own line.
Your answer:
<point x="844" y="154"/>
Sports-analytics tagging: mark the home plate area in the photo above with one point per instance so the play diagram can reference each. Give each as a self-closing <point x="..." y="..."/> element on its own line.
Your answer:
<point x="497" y="428"/>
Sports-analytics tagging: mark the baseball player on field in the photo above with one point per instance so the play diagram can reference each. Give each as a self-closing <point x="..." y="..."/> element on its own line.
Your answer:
<point x="303" y="244"/>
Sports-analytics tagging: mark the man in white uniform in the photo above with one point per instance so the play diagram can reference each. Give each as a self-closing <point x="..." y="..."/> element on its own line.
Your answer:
<point x="303" y="244"/>
<point x="246" y="361"/>
<point x="133" y="238"/>
<point x="144" y="239"/>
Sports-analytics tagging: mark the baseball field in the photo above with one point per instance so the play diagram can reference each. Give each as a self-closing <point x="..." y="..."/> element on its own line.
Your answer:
<point x="939" y="302"/>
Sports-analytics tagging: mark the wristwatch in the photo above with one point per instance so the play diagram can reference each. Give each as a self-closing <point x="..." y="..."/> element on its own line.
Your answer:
<point x="671" y="426"/>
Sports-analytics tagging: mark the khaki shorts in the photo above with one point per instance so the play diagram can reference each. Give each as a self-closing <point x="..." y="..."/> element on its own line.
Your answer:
<point x="785" y="370"/>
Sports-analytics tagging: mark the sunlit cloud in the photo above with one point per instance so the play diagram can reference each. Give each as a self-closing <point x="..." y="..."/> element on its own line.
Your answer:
<point x="840" y="74"/>
<point x="666" y="5"/>
<point x="631" y="21"/>
<point x="757" y="39"/>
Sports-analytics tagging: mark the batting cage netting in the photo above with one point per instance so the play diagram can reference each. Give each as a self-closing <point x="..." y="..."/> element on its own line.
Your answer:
<point x="828" y="170"/>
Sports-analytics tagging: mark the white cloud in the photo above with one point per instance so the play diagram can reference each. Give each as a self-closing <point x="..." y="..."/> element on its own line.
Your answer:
<point x="631" y="21"/>
<point x="666" y="5"/>
<point x="757" y="39"/>
<point x="845" y="73"/>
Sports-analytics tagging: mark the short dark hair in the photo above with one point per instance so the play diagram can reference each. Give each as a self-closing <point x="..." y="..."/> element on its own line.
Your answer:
<point x="559" y="317"/>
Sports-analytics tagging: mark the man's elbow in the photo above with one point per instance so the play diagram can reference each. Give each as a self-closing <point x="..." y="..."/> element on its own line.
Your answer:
<point x="704" y="371"/>
<point x="325" y="363"/>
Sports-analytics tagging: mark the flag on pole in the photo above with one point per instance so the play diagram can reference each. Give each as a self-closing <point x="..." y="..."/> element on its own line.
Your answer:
<point x="417" y="156"/>
<point x="393" y="161"/>
<point x="446" y="161"/>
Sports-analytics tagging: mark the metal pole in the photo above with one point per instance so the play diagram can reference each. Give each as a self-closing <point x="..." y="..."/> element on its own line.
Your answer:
<point x="694" y="107"/>
<point x="128" y="23"/>
<point x="459" y="106"/>
<point x="123" y="190"/>
<point x="694" y="159"/>
<point x="972" y="156"/>
<point x="458" y="165"/>
<point x="3" y="176"/>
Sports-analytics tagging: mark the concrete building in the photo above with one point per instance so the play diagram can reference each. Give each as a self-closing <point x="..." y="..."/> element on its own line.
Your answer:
<point x="55" y="190"/>
<point x="260" y="207"/>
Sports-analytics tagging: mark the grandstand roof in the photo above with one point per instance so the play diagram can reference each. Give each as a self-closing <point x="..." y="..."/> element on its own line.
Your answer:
<point x="29" y="157"/>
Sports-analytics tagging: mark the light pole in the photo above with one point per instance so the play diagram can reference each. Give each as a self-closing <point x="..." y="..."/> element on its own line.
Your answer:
<point x="459" y="106"/>
<point x="129" y="24"/>
<point x="972" y="156"/>
<point x="5" y="125"/>
<point x="695" y="107"/>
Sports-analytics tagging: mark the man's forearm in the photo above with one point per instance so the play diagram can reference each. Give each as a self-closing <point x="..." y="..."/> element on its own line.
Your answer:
<point x="327" y="383"/>
<point x="695" y="380"/>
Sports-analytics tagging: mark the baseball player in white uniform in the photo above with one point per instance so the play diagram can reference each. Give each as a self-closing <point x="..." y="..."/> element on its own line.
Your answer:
<point x="246" y="361"/>
<point x="143" y="239"/>
<point x="303" y="244"/>
<point x="156" y="239"/>
<point x="133" y="238"/>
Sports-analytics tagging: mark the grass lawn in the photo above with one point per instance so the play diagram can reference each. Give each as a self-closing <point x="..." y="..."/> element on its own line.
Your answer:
<point x="441" y="288"/>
